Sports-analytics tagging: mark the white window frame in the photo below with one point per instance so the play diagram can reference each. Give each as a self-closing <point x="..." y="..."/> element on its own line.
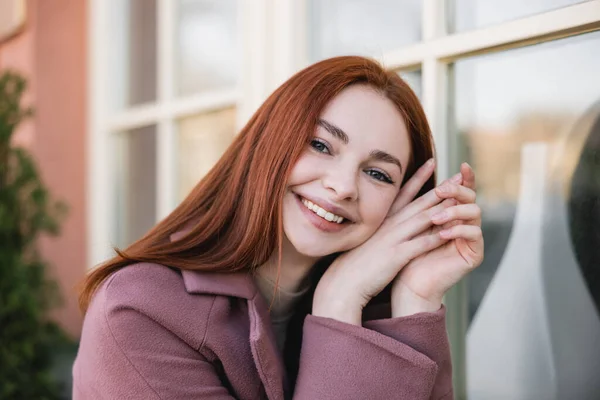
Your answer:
<point x="274" y="46"/>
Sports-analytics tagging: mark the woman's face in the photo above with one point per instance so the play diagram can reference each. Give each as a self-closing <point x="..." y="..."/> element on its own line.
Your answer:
<point x="351" y="172"/>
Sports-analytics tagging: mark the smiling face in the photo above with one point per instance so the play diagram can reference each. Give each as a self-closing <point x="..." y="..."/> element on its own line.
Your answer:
<point x="342" y="186"/>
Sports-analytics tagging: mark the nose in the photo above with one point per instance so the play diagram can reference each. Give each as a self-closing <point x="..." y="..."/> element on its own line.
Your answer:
<point x="341" y="184"/>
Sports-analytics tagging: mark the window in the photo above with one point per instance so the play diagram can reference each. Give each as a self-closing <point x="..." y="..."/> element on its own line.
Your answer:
<point x="164" y="88"/>
<point x="525" y="135"/>
<point x="470" y="14"/>
<point x="366" y="27"/>
<point x="511" y="88"/>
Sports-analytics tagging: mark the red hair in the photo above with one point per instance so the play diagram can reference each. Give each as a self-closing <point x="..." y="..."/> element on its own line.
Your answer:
<point x="234" y="214"/>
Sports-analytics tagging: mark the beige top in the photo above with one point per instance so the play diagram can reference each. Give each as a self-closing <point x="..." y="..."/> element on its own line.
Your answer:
<point x="282" y="309"/>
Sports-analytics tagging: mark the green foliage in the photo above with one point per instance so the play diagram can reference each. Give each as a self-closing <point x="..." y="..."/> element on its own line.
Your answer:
<point x="27" y="339"/>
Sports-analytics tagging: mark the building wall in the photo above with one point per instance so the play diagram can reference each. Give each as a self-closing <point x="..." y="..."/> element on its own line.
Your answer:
<point x="51" y="53"/>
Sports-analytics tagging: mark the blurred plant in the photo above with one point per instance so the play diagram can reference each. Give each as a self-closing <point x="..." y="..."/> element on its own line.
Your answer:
<point x="27" y="338"/>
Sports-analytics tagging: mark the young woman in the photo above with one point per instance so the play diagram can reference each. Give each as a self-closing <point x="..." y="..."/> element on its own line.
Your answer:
<point x="300" y="266"/>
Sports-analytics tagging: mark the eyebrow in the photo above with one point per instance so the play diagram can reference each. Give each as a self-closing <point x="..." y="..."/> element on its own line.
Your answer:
<point x="378" y="155"/>
<point x="385" y="157"/>
<point x="334" y="130"/>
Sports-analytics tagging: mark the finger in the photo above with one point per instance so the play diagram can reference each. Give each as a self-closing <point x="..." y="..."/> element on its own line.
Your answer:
<point x="464" y="212"/>
<point x="424" y="202"/>
<point x="418" y="246"/>
<point x="471" y="233"/>
<point x="468" y="175"/>
<point x="473" y="252"/>
<point x="420" y="222"/>
<point x="461" y="193"/>
<point x="411" y="188"/>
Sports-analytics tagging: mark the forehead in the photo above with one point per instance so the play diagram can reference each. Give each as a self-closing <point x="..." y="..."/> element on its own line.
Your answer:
<point x="370" y="120"/>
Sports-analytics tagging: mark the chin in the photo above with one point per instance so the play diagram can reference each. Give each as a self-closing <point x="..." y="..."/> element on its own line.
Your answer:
<point x="313" y="249"/>
<point x="316" y="247"/>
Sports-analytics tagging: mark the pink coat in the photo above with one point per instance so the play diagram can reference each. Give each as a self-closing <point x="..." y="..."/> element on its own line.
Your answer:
<point x="152" y="332"/>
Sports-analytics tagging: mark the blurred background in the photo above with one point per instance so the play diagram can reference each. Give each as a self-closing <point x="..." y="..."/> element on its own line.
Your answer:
<point x="134" y="100"/>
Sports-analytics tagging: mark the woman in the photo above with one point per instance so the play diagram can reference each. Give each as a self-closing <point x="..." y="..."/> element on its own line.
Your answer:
<point x="299" y="267"/>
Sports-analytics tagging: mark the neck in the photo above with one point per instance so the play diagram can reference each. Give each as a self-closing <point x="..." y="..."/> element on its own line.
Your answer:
<point x="295" y="268"/>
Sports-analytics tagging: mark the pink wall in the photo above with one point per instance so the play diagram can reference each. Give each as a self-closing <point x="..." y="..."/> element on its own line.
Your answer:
<point x="51" y="53"/>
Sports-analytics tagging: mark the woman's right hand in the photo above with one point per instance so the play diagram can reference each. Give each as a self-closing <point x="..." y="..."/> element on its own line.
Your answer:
<point x="358" y="275"/>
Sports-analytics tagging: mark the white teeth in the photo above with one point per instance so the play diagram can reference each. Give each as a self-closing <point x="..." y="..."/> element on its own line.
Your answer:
<point x="322" y="213"/>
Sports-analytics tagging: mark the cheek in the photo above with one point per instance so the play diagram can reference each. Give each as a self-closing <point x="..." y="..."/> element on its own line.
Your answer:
<point x="305" y="169"/>
<point x="375" y="205"/>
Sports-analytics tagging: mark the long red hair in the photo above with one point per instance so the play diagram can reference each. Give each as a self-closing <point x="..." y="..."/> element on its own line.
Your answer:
<point x="234" y="214"/>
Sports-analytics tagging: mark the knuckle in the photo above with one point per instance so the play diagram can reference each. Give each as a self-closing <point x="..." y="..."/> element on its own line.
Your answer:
<point x="432" y="240"/>
<point x="449" y="203"/>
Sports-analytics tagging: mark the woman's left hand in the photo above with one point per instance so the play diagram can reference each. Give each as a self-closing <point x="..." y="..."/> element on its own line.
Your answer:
<point x="422" y="283"/>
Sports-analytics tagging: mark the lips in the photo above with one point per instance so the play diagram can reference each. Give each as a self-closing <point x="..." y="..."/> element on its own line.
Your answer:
<point x="328" y="207"/>
<point x="319" y="222"/>
<point x="321" y="212"/>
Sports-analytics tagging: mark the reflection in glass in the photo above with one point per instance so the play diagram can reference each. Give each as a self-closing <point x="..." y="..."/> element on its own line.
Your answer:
<point x="135" y="180"/>
<point x="533" y="102"/>
<point x="505" y="100"/>
<point x="471" y="14"/>
<point x="207" y="45"/>
<point x="584" y="204"/>
<point x="364" y="27"/>
<point x="202" y="140"/>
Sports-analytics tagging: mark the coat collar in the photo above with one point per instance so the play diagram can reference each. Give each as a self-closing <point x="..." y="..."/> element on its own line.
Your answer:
<point x="267" y="357"/>
<point x="235" y="284"/>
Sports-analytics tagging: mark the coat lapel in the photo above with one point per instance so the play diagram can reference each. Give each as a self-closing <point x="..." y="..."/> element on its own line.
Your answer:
<point x="264" y="349"/>
<point x="267" y="358"/>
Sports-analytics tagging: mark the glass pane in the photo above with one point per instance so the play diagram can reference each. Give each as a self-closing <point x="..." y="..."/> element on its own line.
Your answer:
<point x="365" y="27"/>
<point x="202" y="140"/>
<point x="471" y="14"/>
<point x="413" y="78"/>
<point x="135" y="52"/>
<point x="207" y="45"/>
<point x="135" y="179"/>
<point x="528" y="121"/>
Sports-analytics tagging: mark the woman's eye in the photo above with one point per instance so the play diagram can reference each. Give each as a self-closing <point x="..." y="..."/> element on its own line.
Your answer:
<point x="380" y="176"/>
<point x="319" y="146"/>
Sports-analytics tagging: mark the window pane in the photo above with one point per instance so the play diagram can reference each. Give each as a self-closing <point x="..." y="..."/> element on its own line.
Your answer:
<point x="134" y="48"/>
<point x="471" y="14"/>
<point x="135" y="179"/>
<point x="413" y="78"/>
<point x="365" y="27"/>
<point x="207" y="45"/>
<point x="202" y="140"/>
<point x="528" y="121"/>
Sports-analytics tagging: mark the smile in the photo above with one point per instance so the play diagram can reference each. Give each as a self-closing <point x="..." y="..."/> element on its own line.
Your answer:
<point x="321" y="212"/>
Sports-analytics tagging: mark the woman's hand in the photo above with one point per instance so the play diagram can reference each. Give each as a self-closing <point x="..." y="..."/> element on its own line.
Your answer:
<point x="422" y="283"/>
<point x="361" y="273"/>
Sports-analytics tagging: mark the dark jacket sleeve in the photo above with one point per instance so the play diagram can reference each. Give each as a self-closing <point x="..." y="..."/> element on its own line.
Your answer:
<point x="394" y="358"/>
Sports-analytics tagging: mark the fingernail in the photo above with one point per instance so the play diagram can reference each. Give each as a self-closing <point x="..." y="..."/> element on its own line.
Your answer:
<point x="456" y="178"/>
<point x="429" y="162"/>
<point x="439" y="216"/>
